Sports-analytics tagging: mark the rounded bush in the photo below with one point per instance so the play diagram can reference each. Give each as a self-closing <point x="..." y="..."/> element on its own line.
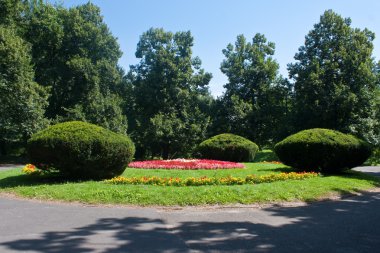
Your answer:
<point x="228" y="147"/>
<point x="322" y="150"/>
<point x="81" y="150"/>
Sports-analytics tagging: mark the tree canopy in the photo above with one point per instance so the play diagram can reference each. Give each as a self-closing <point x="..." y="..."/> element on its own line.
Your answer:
<point x="169" y="89"/>
<point x="22" y="100"/>
<point x="255" y="100"/>
<point x="60" y="64"/>
<point x="333" y="74"/>
<point x="76" y="55"/>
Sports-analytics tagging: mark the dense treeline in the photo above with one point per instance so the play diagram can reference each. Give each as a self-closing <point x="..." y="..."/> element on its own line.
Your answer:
<point x="59" y="64"/>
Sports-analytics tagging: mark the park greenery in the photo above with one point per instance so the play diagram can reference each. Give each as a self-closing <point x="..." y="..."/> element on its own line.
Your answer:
<point x="322" y="149"/>
<point x="50" y="187"/>
<point x="81" y="150"/>
<point x="60" y="64"/>
<point x="228" y="147"/>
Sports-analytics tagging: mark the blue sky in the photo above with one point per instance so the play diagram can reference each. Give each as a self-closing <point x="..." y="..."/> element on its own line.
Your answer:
<point x="215" y="23"/>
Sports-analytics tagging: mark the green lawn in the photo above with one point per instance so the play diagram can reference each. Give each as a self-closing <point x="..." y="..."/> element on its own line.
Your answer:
<point x="48" y="188"/>
<point x="265" y="155"/>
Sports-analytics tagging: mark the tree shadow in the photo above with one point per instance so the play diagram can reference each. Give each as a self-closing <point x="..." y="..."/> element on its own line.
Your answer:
<point x="374" y="180"/>
<point x="35" y="180"/>
<point x="125" y="235"/>
<point x="8" y="160"/>
<point x="281" y="169"/>
<point x="350" y="225"/>
<point x="265" y="156"/>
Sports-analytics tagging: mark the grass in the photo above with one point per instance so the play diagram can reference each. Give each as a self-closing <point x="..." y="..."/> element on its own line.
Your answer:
<point x="266" y="155"/>
<point x="53" y="188"/>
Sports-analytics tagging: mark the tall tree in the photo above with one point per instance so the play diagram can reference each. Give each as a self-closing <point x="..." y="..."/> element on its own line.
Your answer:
<point x="76" y="55"/>
<point x="255" y="101"/>
<point x="11" y="12"/>
<point x="170" y="95"/>
<point x="334" y="77"/>
<point x="369" y="127"/>
<point x="22" y="100"/>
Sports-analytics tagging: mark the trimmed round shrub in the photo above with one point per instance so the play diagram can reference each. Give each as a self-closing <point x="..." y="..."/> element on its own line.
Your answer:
<point x="228" y="147"/>
<point x="322" y="150"/>
<point x="81" y="150"/>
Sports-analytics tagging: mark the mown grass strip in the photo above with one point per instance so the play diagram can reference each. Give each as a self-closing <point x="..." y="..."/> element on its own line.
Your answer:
<point x="51" y="187"/>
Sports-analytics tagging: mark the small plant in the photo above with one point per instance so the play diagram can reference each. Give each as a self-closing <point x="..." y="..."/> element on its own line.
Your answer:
<point x="228" y="147"/>
<point x="81" y="150"/>
<point x="322" y="149"/>
<point x="30" y="169"/>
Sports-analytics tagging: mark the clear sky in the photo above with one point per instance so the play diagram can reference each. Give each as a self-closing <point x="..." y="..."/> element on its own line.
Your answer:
<point x="215" y="23"/>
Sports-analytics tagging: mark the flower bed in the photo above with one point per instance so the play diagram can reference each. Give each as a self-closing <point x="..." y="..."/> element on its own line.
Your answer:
<point x="272" y="162"/>
<point x="186" y="164"/>
<point x="192" y="181"/>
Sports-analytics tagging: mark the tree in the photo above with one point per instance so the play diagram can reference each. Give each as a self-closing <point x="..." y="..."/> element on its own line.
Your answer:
<point x="76" y="55"/>
<point x="255" y="103"/>
<point x="334" y="77"/>
<point x="170" y="95"/>
<point x="11" y="12"/>
<point x="22" y="100"/>
<point x="369" y="127"/>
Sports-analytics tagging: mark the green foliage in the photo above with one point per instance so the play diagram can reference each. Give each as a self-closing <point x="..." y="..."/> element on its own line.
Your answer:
<point x="22" y="100"/>
<point x="48" y="187"/>
<point x="81" y="150"/>
<point x="170" y="104"/>
<point x="76" y="55"/>
<point x="322" y="149"/>
<point x="228" y="147"/>
<point x="266" y="155"/>
<point x="369" y="127"/>
<point x="255" y="94"/>
<point x="374" y="159"/>
<point x="11" y="11"/>
<point x="334" y="77"/>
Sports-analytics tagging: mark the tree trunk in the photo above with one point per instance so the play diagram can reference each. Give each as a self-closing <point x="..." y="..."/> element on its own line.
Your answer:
<point x="3" y="148"/>
<point x="165" y="151"/>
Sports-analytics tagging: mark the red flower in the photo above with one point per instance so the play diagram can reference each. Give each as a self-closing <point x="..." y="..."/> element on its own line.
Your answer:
<point x="186" y="164"/>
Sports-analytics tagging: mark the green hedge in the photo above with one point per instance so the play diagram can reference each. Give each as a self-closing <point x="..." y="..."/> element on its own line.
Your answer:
<point x="322" y="150"/>
<point x="228" y="147"/>
<point x="81" y="150"/>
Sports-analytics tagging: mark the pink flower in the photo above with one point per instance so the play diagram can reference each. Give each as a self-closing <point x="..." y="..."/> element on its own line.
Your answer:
<point x="186" y="164"/>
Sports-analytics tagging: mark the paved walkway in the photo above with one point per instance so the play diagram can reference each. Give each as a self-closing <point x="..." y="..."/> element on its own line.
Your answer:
<point x="348" y="225"/>
<point x="371" y="170"/>
<point x="10" y="166"/>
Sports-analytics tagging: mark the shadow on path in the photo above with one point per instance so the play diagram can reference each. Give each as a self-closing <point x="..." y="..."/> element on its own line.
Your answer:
<point x="350" y="225"/>
<point x="131" y="234"/>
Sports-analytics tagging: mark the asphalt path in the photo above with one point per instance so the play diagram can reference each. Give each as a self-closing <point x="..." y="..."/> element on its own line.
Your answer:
<point x="10" y="166"/>
<point x="347" y="225"/>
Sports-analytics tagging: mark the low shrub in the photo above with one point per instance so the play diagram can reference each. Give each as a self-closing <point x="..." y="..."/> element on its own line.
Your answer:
<point x="228" y="147"/>
<point x="81" y="150"/>
<point x="322" y="149"/>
